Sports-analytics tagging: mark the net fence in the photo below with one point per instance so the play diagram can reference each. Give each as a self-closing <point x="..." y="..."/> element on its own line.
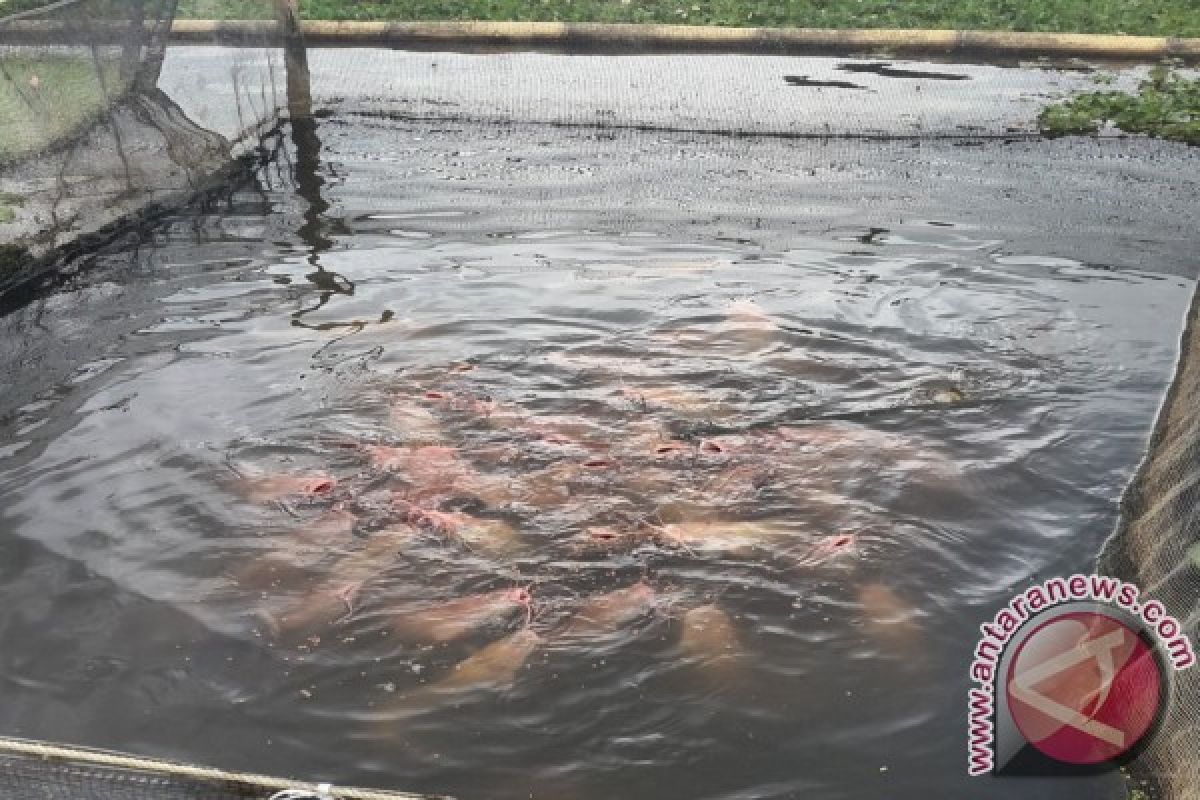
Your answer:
<point x="88" y="138"/>
<point x="38" y="771"/>
<point x="1157" y="546"/>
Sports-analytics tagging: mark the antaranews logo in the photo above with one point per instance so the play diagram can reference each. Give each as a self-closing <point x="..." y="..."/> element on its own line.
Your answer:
<point x="1073" y="674"/>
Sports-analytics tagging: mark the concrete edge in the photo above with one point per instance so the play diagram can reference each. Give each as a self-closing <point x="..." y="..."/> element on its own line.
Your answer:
<point x="694" y="38"/>
<point x="630" y="38"/>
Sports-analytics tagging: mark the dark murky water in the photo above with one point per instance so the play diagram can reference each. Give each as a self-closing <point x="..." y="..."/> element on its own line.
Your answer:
<point x="251" y="458"/>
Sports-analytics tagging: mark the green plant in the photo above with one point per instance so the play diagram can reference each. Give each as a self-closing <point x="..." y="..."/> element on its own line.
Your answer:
<point x="1145" y="17"/>
<point x="8" y="201"/>
<point x="13" y="258"/>
<point x="1166" y="105"/>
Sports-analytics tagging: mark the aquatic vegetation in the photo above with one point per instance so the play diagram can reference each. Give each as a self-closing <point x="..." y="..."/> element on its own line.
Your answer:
<point x="1167" y="106"/>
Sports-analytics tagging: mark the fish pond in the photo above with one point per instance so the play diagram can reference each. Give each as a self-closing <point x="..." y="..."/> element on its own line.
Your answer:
<point x="470" y="461"/>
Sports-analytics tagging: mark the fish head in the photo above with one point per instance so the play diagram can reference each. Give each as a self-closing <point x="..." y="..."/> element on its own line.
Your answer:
<point x="318" y="485"/>
<point x="518" y="595"/>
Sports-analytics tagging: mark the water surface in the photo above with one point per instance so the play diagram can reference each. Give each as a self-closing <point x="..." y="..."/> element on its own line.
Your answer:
<point x="856" y="441"/>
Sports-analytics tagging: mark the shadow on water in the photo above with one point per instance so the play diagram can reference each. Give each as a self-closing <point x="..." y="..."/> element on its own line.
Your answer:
<point x="314" y="231"/>
<point x="886" y="70"/>
<point x="804" y="80"/>
<point x="317" y="228"/>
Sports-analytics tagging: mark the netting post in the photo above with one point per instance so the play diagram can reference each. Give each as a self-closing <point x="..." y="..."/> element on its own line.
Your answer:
<point x="299" y="93"/>
<point x="156" y="46"/>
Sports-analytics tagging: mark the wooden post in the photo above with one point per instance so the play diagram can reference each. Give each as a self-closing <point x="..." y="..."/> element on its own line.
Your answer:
<point x="295" y="56"/>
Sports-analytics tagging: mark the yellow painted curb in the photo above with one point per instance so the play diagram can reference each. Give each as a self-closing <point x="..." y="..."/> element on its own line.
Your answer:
<point x="694" y="38"/>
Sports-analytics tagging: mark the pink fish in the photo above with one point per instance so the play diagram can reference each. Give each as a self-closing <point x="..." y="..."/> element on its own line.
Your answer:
<point x="474" y="533"/>
<point x="271" y="488"/>
<point x="731" y="538"/>
<point x="432" y="520"/>
<point x="296" y="551"/>
<point x="717" y="446"/>
<point x="605" y="540"/>
<point x="710" y="642"/>
<point x="608" y="612"/>
<point x="671" y="450"/>
<point x="708" y="631"/>
<point x="889" y="619"/>
<point x="424" y="458"/>
<point x="413" y="422"/>
<point x="334" y="598"/>
<point x="333" y="525"/>
<point x="495" y="666"/>
<point x="738" y="482"/>
<point x="463" y="616"/>
<point x="671" y="398"/>
<point x="834" y="547"/>
<point x="549" y="487"/>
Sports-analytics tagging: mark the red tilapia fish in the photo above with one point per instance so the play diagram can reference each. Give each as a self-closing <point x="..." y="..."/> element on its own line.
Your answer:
<point x="710" y="642"/>
<point x="891" y="621"/>
<point x="413" y="422"/>
<point x="833" y="548"/>
<point x="606" y="540"/>
<point x="419" y="459"/>
<point x="492" y="668"/>
<point x="434" y="472"/>
<point x="335" y="597"/>
<point x="736" y="538"/>
<point x="608" y="612"/>
<point x="455" y="619"/>
<point x="486" y="535"/>
<point x="295" y="551"/>
<point x="272" y="488"/>
<point x="854" y="447"/>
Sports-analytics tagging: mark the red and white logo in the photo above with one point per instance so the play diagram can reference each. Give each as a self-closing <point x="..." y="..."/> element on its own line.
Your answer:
<point x="1084" y="688"/>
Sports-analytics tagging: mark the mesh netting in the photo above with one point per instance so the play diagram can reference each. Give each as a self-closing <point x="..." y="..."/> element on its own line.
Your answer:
<point x="26" y="779"/>
<point x="1157" y="546"/>
<point x="36" y="771"/>
<point x="87" y="135"/>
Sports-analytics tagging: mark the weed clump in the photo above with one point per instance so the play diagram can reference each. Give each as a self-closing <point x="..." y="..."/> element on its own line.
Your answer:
<point x="1167" y="105"/>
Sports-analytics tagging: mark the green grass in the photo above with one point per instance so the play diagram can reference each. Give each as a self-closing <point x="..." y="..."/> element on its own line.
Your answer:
<point x="85" y="8"/>
<point x="1167" y="105"/>
<point x="68" y="94"/>
<point x="1146" y="17"/>
<point x="8" y="202"/>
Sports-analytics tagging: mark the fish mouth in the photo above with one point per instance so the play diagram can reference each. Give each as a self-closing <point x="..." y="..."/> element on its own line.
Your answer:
<point x="319" y="486"/>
